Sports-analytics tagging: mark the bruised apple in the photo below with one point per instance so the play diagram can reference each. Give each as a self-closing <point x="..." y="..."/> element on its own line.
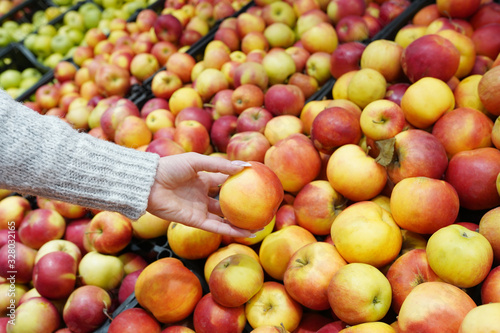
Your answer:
<point x="251" y="198"/>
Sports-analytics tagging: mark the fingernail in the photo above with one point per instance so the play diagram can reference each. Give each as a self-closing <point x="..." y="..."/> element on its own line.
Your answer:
<point x="241" y="163"/>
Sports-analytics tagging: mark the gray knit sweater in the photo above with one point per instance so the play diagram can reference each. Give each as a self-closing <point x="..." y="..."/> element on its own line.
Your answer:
<point x="43" y="155"/>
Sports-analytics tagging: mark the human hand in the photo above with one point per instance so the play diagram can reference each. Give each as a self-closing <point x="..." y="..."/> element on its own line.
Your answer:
<point x="181" y="188"/>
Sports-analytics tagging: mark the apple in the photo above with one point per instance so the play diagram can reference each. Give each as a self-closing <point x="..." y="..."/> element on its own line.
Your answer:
<point x="222" y="130"/>
<point x="432" y="298"/>
<point x="192" y="243"/>
<point x="164" y="83"/>
<point x="169" y="302"/>
<point x="365" y="86"/>
<point x="450" y="247"/>
<point x="229" y="37"/>
<point x="59" y="245"/>
<point x="334" y="127"/>
<point x="307" y="83"/>
<point x="13" y="295"/>
<point x="253" y="119"/>
<point x="221" y="104"/>
<point x="272" y="305"/>
<point x="490" y="287"/>
<point x="37" y="314"/>
<point x="281" y="127"/>
<point x="338" y="9"/>
<point x="396" y="91"/>
<point x="322" y="37"/>
<point x="101" y="270"/>
<point x="458" y="9"/>
<point x="258" y="212"/>
<point x="285" y="216"/>
<point x="316" y="206"/>
<point x="486" y="87"/>
<point x="488" y="228"/>
<point x="108" y="233"/>
<point x="40" y="226"/>
<point x="245" y="96"/>
<point x="359" y="293"/>
<point x="316" y="263"/>
<point x="112" y="80"/>
<point x="279" y="246"/>
<point x="299" y="56"/>
<point x="47" y="96"/>
<point x="279" y="66"/>
<point x="254" y="73"/>
<point x="468" y="169"/>
<point x="281" y="99"/>
<point x="127" y="285"/>
<point x="209" y="316"/>
<point x="153" y="104"/>
<point x="383" y="56"/>
<point x="192" y="136"/>
<point x="64" y="71"/>
<point x="407" y="272"/>
<point x="181" y="64"/>
<point x="247" y="22"/>
<point x="12" y="211"/>
<point x="254" y="41"/>
<point x="310" y="19"/>
<point x="357" y="242"/>
<point x="352" y="28"/>
<point x="440" y="60"/>
<point x="294" y="160"/>
<point x="354" y="174"/>
<point x="224" y="252"/>
<point x="481" y="318"/>
<point x="477" y="137"/>
<point x="318" y="66"/>
<point x="135" y="319"/>
<point x="54" y="275"/>
<point x="382" y="119"/>
<point x="209" y="82"/>
<point x="248" y="146"/>
<point x="424" y="193"/>
<point x="279" y="11"/>
<point x="226" y="285"/>
<point x="159" y="118"/>
<point x="132" y="262"/>
<point x="75" y="233"/>
<point x="168" y="28"/>
<point x="418" y="153"/>
<point x="133" y="132"/>
<point x="24" y="261"/>
<point x="86" y="309"/>
<point x="162" y="50"/>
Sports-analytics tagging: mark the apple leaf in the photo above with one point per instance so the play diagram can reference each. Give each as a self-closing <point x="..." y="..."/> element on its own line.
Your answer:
<point x="386" y="154"/>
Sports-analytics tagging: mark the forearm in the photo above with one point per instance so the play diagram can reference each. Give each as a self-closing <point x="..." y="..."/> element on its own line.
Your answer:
<point x="43" y="155"/>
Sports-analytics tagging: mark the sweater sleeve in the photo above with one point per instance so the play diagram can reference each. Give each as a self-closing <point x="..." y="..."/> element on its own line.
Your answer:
<point x="43" y="155"/>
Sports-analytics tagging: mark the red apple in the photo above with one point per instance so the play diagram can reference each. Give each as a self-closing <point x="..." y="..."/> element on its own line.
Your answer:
<point x="127" y="285"/>
<point x="168" y="28"/>
<point x="136" y="320"/>
<point x="430" y="56"/>
<point x="346" y="58"/>
<point x="25" y="261"/>
<point x="108" y="233"/>
<point x="253" y="119"/>
<point x="195" y="113"/>
<point x="40" y="226"/>
<point x="338" y="9"/>
<point x="222" y="130"/>
<point x="490" y="289"/>
<point x="86" y="308"/>
<point x="75" y="232"/>
<point x="246" y="96"/>
<point x="248" y="146"/>
<point x="112" y="80"/>
<point x="473" y="174"/>
<point x="153" y="104"/>
<point x="283" y="99"/>
<point x="192" y="136"/>
<point x="54" y="275"/>
<point x="162" y="50"/>
<point x="352" y="28"/>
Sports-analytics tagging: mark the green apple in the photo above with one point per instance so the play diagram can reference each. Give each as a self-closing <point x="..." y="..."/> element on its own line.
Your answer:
<point x="74" y="19"/>
<point x="63" y="2"/>
<point x="11" y="78"/>
<point x="91" y="18"/>
<point x="117" y="4"/>
<point x="38" y="19"/>
<point x="13" y="92"/>
<point x="75" y="35"/>
<point x="47" y="30"/>
<point x="41" y="46"/>
<point x="28" y="82"/>
<point x="28" y="42"/>
<point x="53" y="59"/>
<point x="61" y="43"/>
<point x="31" y="72"/>
<point x="52" y="12"/>
<point x="10" y="26"/>
<point x="4" y="37"/>
<point x="108" y="14"/>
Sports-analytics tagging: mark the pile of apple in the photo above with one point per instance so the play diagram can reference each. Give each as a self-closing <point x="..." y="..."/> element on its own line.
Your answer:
<point x="67" y="267"/>
<point x="389" y="191"/>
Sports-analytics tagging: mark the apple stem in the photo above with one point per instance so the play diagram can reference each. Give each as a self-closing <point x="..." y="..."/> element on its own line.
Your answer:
<point x="208" y="105"/>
